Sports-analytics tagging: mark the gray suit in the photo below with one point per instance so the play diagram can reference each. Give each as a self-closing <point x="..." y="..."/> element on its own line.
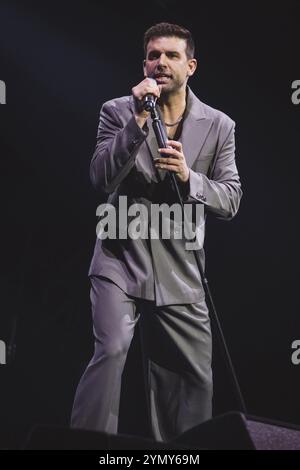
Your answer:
<point x="157" y="278"/>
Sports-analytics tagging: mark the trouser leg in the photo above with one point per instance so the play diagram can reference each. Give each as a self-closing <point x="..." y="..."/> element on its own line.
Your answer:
<point x="177" y="354"/>
<point x="97" y="399"/>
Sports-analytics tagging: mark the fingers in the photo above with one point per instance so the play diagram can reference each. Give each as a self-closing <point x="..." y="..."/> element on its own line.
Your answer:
<point x="169" y="163"/>
<point x="147" y="86"/>
<point x="150" y="86"/>
<point x="174" y="143"/>
<point x="171" y="151"/>
<point x="155" y="89"/>
<point x="169" y="167"/>
<point x="172" y="161"/>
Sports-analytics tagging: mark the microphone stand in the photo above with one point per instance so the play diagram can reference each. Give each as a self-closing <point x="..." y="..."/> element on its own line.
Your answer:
<point x="161" y="140"/>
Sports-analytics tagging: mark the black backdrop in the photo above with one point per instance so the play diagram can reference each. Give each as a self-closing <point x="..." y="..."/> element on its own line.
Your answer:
<point x="60" y="61"/>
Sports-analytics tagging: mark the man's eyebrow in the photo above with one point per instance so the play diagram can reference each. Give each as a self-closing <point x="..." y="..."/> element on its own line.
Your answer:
<point x="153" y="51"/>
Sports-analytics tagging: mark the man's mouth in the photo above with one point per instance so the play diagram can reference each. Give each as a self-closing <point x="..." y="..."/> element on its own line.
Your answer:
<point x="162" y="77"/>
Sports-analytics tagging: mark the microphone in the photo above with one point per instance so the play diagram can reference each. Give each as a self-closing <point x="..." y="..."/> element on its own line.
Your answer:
<point x="149" y="101"/>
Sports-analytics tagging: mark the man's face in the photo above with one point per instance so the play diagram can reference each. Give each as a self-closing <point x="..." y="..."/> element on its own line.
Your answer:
<point x="167" y="63"/>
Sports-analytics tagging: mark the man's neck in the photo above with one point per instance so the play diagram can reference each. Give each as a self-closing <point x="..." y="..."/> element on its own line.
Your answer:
<point x="173" y="106"/>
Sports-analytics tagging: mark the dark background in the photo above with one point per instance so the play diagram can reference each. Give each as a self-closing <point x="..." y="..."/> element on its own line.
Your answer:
<point x="61" y="61"/>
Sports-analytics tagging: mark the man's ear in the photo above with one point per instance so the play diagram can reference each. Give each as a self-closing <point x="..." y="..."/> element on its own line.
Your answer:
<point x="192" y="67"/>
<point x="144" y="67"/>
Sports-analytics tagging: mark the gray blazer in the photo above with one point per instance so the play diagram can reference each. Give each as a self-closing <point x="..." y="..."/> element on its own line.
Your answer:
<point x="161" y="269"/>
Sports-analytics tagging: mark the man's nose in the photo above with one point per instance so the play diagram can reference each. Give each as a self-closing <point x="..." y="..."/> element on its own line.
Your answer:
<point x="162" y="60"/>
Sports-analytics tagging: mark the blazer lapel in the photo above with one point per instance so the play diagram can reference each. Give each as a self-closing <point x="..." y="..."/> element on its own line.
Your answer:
<point x="195" y="129"/>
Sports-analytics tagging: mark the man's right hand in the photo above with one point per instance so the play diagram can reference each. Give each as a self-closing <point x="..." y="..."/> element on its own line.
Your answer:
<point x="147" y="86"/>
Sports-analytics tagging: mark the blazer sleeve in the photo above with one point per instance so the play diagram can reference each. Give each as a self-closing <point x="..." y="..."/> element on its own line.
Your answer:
<point x="116" y="149"/>
<point x="221" y="193"/>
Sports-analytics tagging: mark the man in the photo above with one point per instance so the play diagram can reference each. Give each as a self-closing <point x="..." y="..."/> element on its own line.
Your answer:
<point x="155" y="279"/>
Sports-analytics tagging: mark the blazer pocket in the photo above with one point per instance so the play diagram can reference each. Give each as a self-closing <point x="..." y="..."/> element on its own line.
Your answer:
<point x="202" y="163"/>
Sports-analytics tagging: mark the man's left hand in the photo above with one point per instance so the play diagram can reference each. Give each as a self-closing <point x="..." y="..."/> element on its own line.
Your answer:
<point x="175" y="161"/>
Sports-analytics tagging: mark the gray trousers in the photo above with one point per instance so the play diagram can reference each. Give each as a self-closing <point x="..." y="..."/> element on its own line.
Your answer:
<point x="176" y="348"/>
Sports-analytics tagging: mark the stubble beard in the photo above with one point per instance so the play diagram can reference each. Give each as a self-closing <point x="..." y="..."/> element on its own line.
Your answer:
<point x="172" y="89"/>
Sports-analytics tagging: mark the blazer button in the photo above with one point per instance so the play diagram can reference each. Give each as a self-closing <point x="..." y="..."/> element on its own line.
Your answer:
<point x="201" y="197"/>
<point x="135" y="141"/>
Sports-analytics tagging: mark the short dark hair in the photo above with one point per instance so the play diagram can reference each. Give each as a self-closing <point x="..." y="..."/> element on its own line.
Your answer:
<point x="168" y="29"/>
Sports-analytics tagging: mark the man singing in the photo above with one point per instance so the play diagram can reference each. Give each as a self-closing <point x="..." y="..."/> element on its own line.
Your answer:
<point x="155" y="280"/>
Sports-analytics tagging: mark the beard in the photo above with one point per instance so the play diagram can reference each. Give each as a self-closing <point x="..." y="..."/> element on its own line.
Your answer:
<point x="172" y="87"/>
